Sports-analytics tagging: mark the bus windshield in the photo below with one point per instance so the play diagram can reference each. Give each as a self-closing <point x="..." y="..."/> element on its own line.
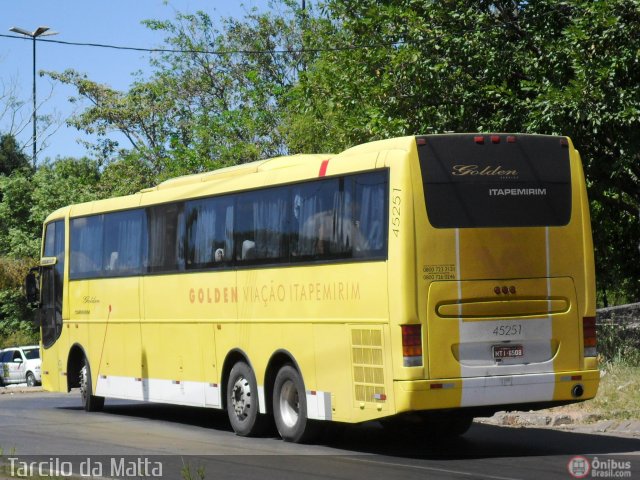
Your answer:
<point x="473" y="181"/>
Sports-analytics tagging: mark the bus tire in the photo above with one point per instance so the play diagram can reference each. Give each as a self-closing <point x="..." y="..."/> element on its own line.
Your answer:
<point x="290" y="407"/>
<point x="90" y="402"/>
<point x="242" y="401"/>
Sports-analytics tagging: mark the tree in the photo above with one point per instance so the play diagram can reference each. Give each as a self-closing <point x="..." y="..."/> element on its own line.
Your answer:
<point x="11" y="158"/>
<point x="406" y="67"/>
<point x="26" y="199"/>
<point x="14" y="313"/>
<point x="215" y="100"/>
<point x="16" y="116"/>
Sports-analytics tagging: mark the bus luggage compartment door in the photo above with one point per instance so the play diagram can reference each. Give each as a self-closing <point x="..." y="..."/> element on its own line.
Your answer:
<point x="502" y="327"/>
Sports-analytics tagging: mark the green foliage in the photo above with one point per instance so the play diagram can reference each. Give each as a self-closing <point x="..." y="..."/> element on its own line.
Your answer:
<point x="619" y="343"/>
<point x="15" y="217"/>
<point x="61" y="183"/>
<point x="549" y="67"/>
<point x="14" y="313"/>
<point x="11" y="158"/>
<point x="198" y="111"/>
<point x="125" y="176"/>
<point x="26" y="199"/>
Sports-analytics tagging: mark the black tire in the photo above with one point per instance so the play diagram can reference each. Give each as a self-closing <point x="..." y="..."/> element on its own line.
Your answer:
<point x="243" y="408"/>
<point x="90" y="402"/>
<point x="31" y="379"/>
<point x="290" y="407"/>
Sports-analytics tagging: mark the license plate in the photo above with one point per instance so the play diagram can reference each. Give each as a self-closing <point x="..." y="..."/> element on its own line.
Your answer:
<point x="507" y="351"/>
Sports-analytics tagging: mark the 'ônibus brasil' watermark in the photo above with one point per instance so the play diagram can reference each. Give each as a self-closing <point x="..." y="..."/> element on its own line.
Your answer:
<point x="582" y="467"/>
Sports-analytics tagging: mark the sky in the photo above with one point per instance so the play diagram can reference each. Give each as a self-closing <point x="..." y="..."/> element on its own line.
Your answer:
<point x="114" y="22"/>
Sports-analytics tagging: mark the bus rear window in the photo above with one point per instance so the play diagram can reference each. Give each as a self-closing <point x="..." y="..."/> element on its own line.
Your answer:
<point x="473" y="183"/>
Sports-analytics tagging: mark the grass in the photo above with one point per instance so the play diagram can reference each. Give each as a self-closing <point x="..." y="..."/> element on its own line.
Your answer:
<point x="617" y="397"/>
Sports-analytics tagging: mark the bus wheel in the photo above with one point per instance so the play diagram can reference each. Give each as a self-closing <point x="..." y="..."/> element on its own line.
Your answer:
<point x="290" y="407"/>
<point x="242" y="401"/>
<point x="90" y="402"/>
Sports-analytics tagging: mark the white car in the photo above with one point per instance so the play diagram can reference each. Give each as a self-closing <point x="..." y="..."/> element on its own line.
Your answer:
<point x="20" y="365"/>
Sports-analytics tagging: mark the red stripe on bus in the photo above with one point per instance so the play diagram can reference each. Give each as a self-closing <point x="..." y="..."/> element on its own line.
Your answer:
<point x="323" y="168"/>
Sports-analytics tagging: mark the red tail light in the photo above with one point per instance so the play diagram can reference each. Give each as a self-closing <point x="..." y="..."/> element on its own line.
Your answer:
<point x="411" y="345"/>
<point x="590" y="337"/>
<point x="479" y="139"/>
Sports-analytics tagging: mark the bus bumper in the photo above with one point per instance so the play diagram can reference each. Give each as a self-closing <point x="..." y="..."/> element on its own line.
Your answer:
<point x="526" y="389"/>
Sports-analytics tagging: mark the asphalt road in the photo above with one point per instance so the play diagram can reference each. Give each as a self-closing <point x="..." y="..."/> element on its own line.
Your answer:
<point x="136" y="440"/>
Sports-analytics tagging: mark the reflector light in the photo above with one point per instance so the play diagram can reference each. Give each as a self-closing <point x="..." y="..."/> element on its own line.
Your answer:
<point x="495" y="139"/>
<point x="440" y="386"/>
<point x="505" y="290"/>
<point x="589" y="334"/>
<point x="497" y="290"/>
<point x="412" y="345"/>
<point x="511" y="139"/>
<point x="564" y="142"/>
<point x="421" y="141"/>
<point x="512" y="289"/>
<point x="478" y="139"/>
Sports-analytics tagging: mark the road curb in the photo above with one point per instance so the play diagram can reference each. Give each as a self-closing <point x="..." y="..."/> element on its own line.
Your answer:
<point x="12" y="390"/>
<point x="575" y="421"/>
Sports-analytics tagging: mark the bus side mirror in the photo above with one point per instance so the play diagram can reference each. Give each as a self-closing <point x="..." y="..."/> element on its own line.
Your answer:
<point x="31" y="289"/>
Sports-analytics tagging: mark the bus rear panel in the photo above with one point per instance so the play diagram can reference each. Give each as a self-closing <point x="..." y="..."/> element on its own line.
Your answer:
<point x="506" y="297"/>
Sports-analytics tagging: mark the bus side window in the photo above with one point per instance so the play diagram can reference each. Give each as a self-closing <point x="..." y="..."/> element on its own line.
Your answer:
<point x="165" y="234"/>
<point x="311" y="225"/>
<point x="262" y="225"/>
<point x="86" y="247"/>
<point x="370" y="191"/>
<point x="209" y="231"/>
<point x="123" y="242"/>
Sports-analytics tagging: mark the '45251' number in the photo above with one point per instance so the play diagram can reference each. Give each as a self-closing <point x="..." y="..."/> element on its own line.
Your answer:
<point x="395" y="211"/>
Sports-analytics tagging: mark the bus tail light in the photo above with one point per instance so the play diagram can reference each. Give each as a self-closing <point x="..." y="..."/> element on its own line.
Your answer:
<point x="589" y="336"/>
<point x="411" y="345"/>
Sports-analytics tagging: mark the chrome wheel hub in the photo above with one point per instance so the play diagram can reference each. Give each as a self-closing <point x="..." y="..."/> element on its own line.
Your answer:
<point x="289" y="404"/>
<point x="241" y="398"/>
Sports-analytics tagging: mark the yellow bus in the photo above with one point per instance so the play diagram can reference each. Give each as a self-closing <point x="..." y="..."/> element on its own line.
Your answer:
<point x="432" y="278"/>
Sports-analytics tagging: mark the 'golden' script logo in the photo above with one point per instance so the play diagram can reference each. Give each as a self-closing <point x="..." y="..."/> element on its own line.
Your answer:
<point x="461" y="170"/>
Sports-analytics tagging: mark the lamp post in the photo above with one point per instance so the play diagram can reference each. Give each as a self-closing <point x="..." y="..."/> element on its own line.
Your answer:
<point x="38" y="32"/>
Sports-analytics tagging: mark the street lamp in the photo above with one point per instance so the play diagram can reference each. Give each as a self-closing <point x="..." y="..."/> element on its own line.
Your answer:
<point x="38" y="32"/>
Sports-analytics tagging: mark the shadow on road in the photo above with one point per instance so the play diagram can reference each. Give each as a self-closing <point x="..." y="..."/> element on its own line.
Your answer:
<point x="481" y="441"/>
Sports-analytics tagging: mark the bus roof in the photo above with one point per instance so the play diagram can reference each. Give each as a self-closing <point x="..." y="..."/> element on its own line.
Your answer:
<point x="238" y="170"/>
<point x="223" y="174"/>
